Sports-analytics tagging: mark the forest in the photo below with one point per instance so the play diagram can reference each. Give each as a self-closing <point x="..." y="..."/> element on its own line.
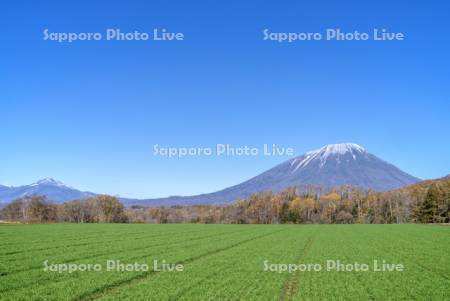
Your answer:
<point x="425" y="202"/>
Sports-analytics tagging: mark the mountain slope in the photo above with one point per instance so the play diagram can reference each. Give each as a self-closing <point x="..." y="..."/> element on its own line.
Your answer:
<point x="53" y="189"/>
<point x="330" y="166"/>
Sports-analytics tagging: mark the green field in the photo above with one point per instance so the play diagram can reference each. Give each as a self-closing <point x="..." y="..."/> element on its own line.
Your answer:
<point x="224" y="262"/>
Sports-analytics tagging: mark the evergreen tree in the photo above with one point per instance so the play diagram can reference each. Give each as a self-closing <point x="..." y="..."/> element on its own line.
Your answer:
<point x="428" y="210"/>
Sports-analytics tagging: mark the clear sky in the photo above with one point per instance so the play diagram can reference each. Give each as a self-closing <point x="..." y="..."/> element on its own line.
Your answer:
<point x="89" y="113"/>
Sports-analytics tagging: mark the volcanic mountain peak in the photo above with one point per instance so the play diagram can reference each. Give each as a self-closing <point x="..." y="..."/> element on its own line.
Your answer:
<point x="48" y="181"/>
<point x="334" y="165"/>
<point x="340" y="148"/>
<point x="328" y="150"/>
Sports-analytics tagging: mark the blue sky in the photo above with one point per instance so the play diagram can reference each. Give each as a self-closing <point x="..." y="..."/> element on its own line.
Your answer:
<point x="89" y="113"/>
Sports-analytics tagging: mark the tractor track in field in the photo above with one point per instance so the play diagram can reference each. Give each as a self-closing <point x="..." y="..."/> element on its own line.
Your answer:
<point x="290" y="286"/>
<point x="187" y="289"/>
<point x="43" y="280"/>
<point x="109" y="289"/>
<point x="415" y="262"/>
<point x="53" y="239"/>
<point x="55" y="247"/>
<point x="77" y="258"/>
<point x="118" y="251"/>
<point x="85" y="241"/>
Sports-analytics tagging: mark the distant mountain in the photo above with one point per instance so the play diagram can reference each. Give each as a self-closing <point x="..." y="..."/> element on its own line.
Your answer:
<point x="53" y="189"/>
<point x="423" y="186"/>
<point x="330" y="166"/>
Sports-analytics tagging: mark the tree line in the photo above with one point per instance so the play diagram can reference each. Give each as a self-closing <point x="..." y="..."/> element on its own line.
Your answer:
<point x="426" y="202"/>
<point x="36" y="208"/>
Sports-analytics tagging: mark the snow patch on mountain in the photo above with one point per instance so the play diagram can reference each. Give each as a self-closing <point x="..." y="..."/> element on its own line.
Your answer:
<point x="53" y="189"/>
<point x="49" y="181"/>
<point x="323" y="153"/>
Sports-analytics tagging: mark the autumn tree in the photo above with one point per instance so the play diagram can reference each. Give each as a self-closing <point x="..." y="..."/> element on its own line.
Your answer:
<point x="110" y="209"/>
<point x="16" y="210"/>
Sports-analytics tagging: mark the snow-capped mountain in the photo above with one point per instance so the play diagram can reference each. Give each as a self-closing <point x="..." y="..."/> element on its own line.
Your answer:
<point x="330" y="166"/>
<point x="53" y="189"/>
<point x="345" y="164"/>
<point x="328" y="151"/>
